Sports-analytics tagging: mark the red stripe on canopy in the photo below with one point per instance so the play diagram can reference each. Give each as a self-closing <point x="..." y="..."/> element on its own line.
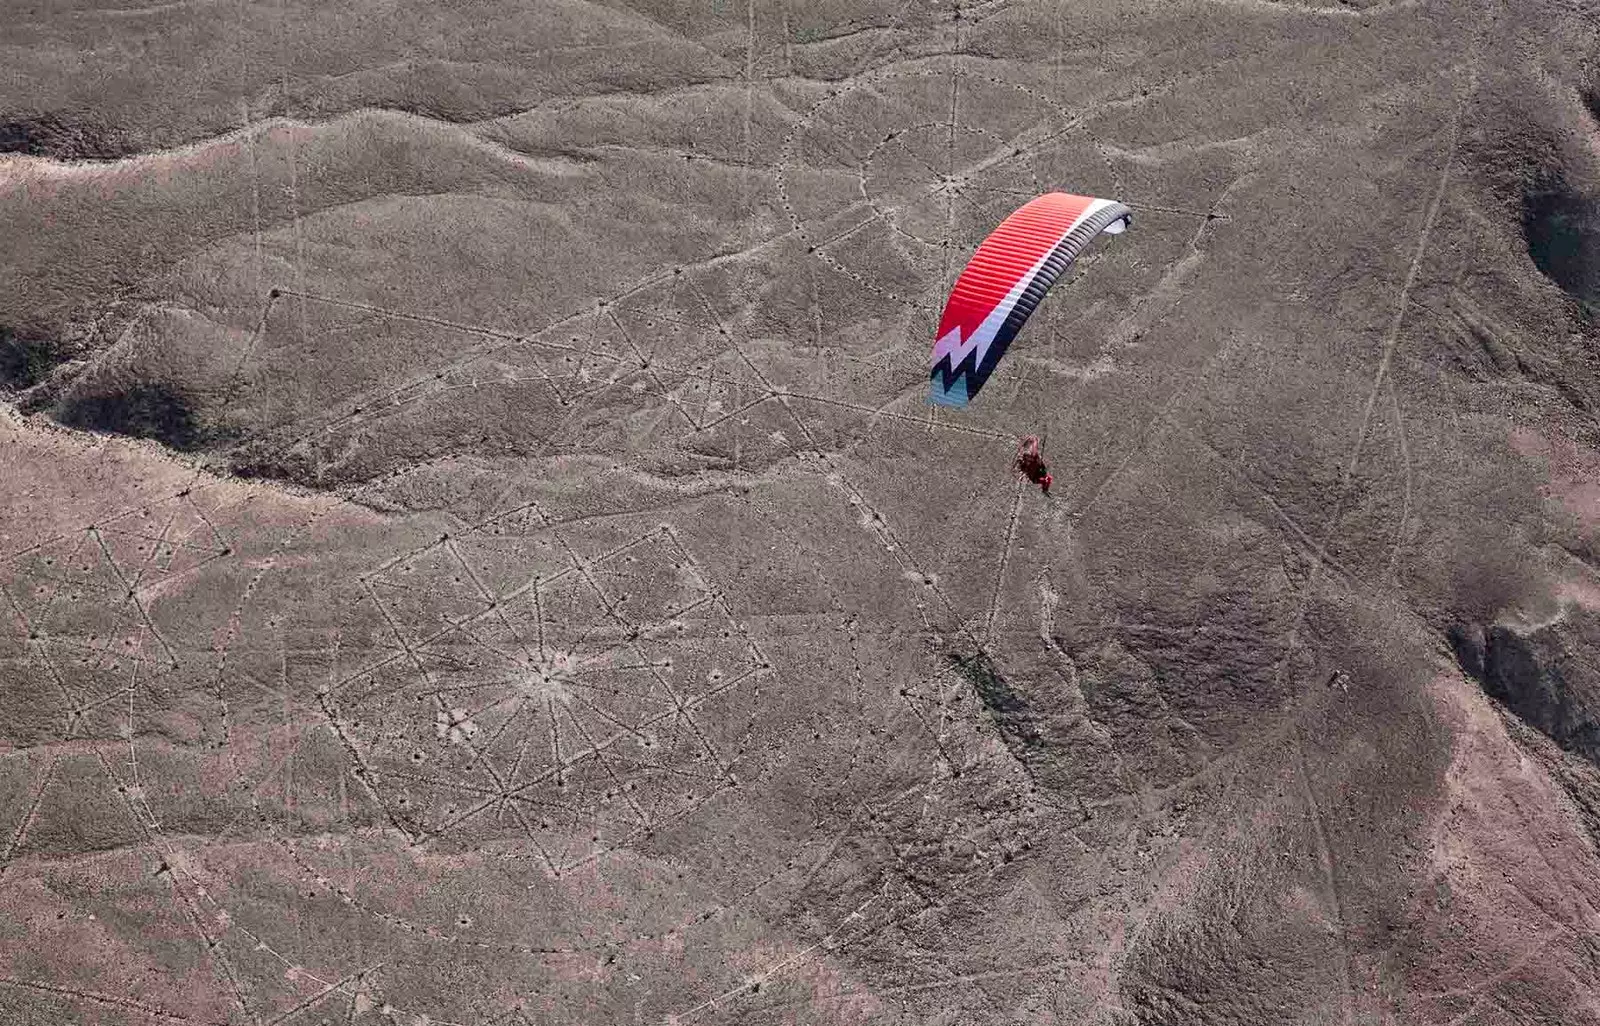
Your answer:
<point x="1006" y="256"/>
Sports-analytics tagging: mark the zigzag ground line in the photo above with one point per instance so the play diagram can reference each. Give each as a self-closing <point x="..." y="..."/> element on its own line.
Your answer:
<point x="841" y="236"/>
<point x="38" y="650"/>
<point x="1270" y="500"/>
<point x="387" y="404"/>
<point x="718" y="598"/>
<point x="404" y="315"/>
<point x="155" y="549"/>
<point x="708" y="425"/>
<point x="176" y="546"/>
<point x="72" y="554"/>
<point x="1010" y="151"/>
<point x="910" y="563"/>
<point x="645" y="363"/>
<point x="365" y="776"/>
<point x="550" y="524"/>
<point x="168" y="577"/>
<point x="221" y="543"/>
<point x="503" y="338"/>
<point x="370" y="411"/>
<point x="42" y="653"/>
<point x="722" y="329"/>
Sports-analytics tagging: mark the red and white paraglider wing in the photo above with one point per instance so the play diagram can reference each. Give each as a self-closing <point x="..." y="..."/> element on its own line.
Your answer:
<point x="1004" y="282"/>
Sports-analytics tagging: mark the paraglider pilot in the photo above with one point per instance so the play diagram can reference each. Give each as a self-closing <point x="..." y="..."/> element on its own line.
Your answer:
<point x="1031" y="464"/>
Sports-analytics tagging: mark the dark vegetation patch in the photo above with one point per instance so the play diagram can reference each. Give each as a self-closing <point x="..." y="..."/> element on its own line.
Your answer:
<point x="1562" y="226"/>
<point x="992" y="689"/>
<point x="257" y="461"/>
<point x="26" y="359"/>
<point x="154" y="411"/>
<point x="1010" y="712"/>
<point x="1545" y="682"/>
<point x="50" y="135"/>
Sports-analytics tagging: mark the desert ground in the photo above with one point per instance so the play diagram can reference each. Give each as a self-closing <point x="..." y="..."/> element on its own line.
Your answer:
<point x="475" y="548"/>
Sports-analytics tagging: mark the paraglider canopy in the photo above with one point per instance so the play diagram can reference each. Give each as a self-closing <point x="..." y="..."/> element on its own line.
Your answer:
<point x="1005" y="281"/>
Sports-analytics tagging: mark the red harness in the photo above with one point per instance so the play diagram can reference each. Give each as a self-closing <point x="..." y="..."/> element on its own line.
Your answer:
<point x="1031" y="464"/>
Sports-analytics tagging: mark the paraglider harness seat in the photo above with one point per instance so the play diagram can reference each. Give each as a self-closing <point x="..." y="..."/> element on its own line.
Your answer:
<point x="1031" y="464"/>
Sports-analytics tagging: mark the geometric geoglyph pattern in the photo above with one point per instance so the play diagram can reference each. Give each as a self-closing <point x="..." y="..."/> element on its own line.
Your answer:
<point x="553" y="692"/>
<point x="83" y="600"/>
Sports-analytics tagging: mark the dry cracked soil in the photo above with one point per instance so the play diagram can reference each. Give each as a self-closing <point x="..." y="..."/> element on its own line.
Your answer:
<point x="475" y="550"/>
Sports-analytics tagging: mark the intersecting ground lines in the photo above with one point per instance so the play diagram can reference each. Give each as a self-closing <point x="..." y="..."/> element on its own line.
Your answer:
<point x="209" y="921"/>
<point x="1329" y="874"/>
<point x="94" y="998"/>
<point x="902" y="151"/>
<point x="1391" y="339"/>
<point x="1148" y="431"/>
<point x="74" y="594"/>
<point x="1390" y="342"/>
<point x="915" y="166"/>
<point x="948" y="184"/>
<point x="895" y="898"/>
<point x="554" y="677"/>
<point x="661" y="372"/>
<point x="82" y="599"/>
<point x="656" y="370"/>
<point x="495" y="340"/>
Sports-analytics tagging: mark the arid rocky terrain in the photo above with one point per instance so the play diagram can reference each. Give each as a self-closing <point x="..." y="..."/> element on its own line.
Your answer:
<point x="474" y="547"/>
